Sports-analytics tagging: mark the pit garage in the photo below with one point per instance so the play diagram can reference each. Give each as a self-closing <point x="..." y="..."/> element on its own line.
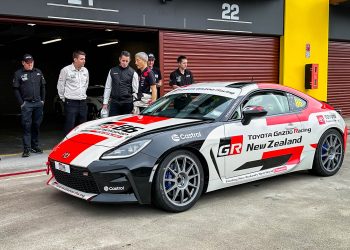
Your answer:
<point x="51" y="46"/>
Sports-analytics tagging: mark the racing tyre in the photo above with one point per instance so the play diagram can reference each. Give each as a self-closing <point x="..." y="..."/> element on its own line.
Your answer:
<point x="329" y="154"/>
<point x="179" y="182"/>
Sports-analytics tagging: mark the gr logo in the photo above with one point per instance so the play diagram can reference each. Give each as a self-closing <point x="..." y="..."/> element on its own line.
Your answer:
<point x="230" y="146"/>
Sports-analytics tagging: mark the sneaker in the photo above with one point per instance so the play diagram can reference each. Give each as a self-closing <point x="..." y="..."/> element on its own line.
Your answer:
<point x="36" y="150"/>
<point x="26" y="153"/>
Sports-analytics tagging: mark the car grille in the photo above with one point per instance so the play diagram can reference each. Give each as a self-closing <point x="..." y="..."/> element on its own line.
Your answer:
<point x="76" y="179"/>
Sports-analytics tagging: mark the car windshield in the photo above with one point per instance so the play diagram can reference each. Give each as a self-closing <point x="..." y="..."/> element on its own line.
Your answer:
<point x="189" y="106"/>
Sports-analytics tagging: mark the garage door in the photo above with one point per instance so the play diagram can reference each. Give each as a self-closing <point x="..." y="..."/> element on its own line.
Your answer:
<point x="339" y="76"/>
<point x="214" y="57"/>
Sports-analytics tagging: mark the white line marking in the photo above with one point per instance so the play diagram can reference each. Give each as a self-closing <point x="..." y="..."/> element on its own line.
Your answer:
<point x="78" y="19"/>
<point x="242" y="31"/>
<point x="81" y="7"/>
<point x="228" y="21"/>
<point x="23" y="177"/>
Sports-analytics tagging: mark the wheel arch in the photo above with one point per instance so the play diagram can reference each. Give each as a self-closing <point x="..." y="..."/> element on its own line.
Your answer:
<point x="193" y="150"/>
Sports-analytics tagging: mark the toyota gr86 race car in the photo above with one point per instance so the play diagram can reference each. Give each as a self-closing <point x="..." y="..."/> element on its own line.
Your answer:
<point x="198" y="139"/>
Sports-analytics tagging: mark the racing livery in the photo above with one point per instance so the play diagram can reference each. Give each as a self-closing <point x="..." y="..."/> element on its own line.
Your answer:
<point x="198" y="139"/>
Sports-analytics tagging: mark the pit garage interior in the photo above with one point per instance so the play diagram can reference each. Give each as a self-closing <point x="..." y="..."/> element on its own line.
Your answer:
<point x="18" y="38"/>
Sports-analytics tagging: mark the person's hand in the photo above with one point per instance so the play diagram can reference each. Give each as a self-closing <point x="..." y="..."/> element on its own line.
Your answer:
<point x="150" y="102"/>
<point x="105" y="106"/>
<point x="42" y="102"/>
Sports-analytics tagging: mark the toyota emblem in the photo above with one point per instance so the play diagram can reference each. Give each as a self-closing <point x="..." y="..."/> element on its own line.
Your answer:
<point x="66" y="155"/>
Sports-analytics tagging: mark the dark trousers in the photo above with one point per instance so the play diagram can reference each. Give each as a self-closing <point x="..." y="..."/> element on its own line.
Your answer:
<point x="75" y="112"/>
<point x="32" y="116"/>
<point x="120" y="108"/>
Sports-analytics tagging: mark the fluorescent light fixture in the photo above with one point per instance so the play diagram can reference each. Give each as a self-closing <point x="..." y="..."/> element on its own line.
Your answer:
<point x="108" y="30"/>
<point x="52" y="41"/>
<point x="31" y="24"/>
<point x="106" y="44"/>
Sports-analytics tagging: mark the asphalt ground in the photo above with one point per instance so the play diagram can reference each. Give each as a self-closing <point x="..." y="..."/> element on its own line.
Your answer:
<point x="293" y="211"/>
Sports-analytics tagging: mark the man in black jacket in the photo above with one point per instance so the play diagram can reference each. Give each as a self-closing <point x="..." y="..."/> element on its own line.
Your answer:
<point x="121" y="87"/>
<point x="181" y="76"/>
<point x="29" y="86"/>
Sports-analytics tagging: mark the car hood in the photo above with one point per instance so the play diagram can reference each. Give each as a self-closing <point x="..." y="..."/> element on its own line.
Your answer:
<point x="112" y="131"/>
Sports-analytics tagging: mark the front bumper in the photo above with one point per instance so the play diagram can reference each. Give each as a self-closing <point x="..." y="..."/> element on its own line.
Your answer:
<point x="120" y="181"/>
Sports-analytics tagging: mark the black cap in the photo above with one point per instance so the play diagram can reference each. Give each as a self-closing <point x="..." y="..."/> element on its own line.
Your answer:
<point x="27" y="58"/>
<point x="151" y="56"/>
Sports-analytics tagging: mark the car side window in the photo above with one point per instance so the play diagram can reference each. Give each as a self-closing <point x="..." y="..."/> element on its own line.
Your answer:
<point x="296" y="103"/>
<point x="273" y="102"/>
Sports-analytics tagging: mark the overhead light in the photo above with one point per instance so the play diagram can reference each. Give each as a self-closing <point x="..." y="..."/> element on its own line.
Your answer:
<point x="108" y="30"/>
<point x="31" y="24"/>
<point x="52" y="41"/>
<point x="106" y="44"/>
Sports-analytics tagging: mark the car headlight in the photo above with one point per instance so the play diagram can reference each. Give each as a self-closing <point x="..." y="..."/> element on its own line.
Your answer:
<point x="125" y="151"/>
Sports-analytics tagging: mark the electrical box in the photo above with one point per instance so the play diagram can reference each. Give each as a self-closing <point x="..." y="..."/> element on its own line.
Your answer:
<point x="311" y="76"/>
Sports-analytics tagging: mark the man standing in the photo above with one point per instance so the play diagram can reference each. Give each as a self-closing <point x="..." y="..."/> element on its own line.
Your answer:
<point x="182" y="76"/>
<point x="72" y="84"/>
<point x="156" y="72"/>
<point x="147" y="83"/>
<point x="121" y="86"/>
<point x="29" y="85"/>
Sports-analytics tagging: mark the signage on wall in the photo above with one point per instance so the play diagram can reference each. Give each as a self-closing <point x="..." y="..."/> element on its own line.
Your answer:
<point x="308" y="51"/>
<point x="239" y="16"/>
<point x="229" y="21"/>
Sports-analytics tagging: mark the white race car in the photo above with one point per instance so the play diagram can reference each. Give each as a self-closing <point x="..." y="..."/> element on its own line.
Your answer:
<point x="198" y="139"/>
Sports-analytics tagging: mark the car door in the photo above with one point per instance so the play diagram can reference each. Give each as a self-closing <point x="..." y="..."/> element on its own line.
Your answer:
<point x="267" y="144"/>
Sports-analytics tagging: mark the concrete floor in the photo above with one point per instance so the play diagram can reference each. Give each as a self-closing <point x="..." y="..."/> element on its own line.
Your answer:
<point x="294" y="211"/>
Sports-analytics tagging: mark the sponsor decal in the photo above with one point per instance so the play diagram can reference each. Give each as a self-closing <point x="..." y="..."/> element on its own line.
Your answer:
<point x="230" y="146"/>
<point x="106" y="188"/>
<point x="330" y="118"/>
<point x="321" y="119"/>
<point x="273" y="144"/>
<point x="114" y="129"/>
<point x="279" y="133"/>
<point x="177" y="138"/>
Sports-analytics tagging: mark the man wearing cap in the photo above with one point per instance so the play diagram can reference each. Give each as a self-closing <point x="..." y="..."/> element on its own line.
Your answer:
<point x="182" y="76"/>
<point x="72" y="84"/>
<point x="156" y="71"/>
<point x="29" y="86"/>
<point x="147" y="83"/>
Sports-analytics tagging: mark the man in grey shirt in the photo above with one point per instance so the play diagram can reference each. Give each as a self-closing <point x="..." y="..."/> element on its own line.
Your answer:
<point x="122" y="86"/>
<point x="72" y="85"/>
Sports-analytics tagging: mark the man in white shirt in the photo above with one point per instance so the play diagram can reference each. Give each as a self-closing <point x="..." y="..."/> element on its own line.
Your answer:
<point x="72" y="84"/>
<point x="121" y="88"/>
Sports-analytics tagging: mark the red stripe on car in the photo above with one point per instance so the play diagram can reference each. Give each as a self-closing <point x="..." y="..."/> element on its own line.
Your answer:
<point x="68" y="150"/>
<point x="144" y="119"/>
<point x="295" y="153"/>
<point x="313" y="145"/>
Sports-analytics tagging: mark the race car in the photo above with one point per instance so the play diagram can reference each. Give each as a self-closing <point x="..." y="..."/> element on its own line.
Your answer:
<point x="198" y="139"/>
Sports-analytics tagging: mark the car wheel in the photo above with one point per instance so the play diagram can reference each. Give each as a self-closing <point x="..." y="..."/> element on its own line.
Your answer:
<point x="179" y="182"/>
<point x="329" y="154"/>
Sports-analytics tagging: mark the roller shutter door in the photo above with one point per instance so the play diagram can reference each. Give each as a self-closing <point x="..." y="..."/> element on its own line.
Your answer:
<point x="214" y="57"/>
<point x="339" y="76"/>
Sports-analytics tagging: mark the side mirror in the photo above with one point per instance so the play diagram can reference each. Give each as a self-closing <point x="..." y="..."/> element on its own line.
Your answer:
<point x="251" y="112"/>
